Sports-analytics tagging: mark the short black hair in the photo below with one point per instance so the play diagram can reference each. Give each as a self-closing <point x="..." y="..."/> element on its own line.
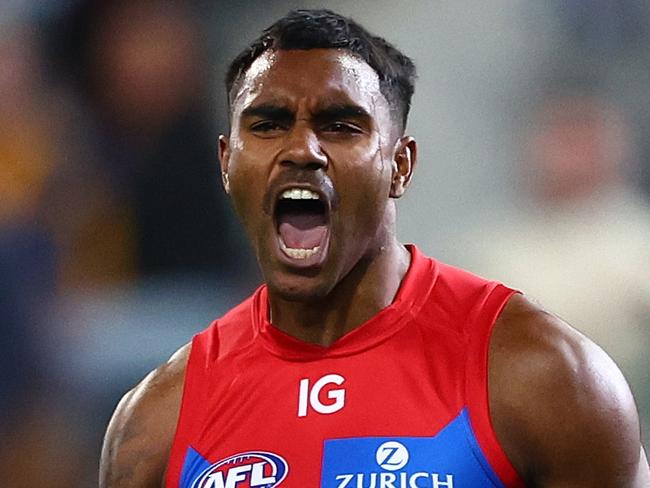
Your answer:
<point x="318" y="29"/>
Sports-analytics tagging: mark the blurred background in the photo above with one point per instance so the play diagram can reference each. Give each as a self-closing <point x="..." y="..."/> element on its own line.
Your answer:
<point x="117" y="243"/>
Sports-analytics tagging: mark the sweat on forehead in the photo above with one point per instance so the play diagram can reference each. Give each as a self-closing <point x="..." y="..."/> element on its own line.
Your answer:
<point x="338" y="70"/>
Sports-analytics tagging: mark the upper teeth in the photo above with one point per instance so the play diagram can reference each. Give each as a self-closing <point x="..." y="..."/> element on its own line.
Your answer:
<point x="299" y="194"/>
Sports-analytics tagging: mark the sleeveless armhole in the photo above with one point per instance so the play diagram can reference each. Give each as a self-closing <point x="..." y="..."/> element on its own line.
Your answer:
<point x="195" y="371"/>
<point x="476" y="384"/>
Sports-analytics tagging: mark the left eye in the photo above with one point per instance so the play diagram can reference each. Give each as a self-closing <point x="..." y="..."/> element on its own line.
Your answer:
<point x="341" y="127"/>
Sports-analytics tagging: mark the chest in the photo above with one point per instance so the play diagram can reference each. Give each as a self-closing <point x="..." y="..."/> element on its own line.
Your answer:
<point x="365" y="394"/>
<point x="391" y="416"/>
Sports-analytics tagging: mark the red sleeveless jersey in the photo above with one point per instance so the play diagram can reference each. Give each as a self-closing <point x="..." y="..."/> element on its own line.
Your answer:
<point x="399" y="402"/>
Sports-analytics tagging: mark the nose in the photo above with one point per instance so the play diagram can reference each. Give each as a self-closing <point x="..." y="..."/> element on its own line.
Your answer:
<point x="303" y="148"/>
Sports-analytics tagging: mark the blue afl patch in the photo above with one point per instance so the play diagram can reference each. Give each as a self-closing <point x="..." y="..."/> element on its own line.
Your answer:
<point x="450" y="459"/>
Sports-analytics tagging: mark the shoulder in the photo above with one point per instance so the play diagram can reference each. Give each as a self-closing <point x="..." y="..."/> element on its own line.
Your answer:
<point x="560" y="407"/>
<point x="140" y="433"/>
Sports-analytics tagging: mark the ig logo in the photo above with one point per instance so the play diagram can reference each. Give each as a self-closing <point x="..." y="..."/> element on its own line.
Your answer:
<point x="392" y="456"/>
<point x="311" y="395"/>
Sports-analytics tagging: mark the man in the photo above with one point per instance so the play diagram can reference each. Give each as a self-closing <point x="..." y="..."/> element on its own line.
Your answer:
<point x="360" y="362"/>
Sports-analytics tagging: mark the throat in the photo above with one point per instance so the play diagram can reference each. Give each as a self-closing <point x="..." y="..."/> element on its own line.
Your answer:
<point x="309" y="323"/>
<point x="365" y="291"/>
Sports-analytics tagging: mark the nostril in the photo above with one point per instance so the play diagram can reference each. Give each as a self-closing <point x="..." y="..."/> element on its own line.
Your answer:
<point x="314" y="165"/>
<point x="310" y="165"/>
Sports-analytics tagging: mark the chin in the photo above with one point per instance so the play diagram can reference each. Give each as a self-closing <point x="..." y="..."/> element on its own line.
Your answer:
<point x="298" y="288"/>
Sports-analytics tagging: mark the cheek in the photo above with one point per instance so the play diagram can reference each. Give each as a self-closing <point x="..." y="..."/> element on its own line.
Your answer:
<point x="365" y="188"/>
<point x="247" y="188"/>
<point x="372" y="172"/>
<point x="358" y="156"/>
<point x="248" y="159"/>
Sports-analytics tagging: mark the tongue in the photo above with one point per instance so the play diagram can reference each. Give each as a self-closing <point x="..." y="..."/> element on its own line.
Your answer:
<point x="302" y="230"/>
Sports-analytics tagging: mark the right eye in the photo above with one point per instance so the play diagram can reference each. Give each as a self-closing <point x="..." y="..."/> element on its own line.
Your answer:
<point x="266" y="126"/>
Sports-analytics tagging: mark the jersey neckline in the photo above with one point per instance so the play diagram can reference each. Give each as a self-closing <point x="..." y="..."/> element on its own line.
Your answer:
<point x="411" y="295"/>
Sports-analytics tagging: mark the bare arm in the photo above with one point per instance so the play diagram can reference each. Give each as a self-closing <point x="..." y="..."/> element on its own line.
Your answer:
<point x="560" y="406"/>
<point x="140" y="434"/>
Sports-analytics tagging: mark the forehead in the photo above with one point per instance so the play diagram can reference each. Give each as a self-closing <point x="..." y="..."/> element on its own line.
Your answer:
<point x="315" y="75"/>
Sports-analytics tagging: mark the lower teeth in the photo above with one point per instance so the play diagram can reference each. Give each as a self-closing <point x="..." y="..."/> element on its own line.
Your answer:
<point x="298" y="253"/>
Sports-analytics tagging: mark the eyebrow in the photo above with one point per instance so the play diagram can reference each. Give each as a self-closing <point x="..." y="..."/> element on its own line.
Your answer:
<point x="341" y="111"/>
<point x="268" y="111"/>
<point x="330" y="112"/>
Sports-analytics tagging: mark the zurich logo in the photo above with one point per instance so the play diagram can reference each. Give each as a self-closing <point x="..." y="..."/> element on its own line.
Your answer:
<point x="252" y="469"/>
<point x="392" y="456"/>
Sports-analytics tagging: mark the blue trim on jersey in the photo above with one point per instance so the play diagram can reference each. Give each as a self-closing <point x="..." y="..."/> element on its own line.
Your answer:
<point x="450" y="459"/>
<point x="193" y="466"/>
<point x="478" y="452"/>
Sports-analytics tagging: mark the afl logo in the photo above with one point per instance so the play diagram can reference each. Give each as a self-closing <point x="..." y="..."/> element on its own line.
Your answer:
<point x="253" y="469"/>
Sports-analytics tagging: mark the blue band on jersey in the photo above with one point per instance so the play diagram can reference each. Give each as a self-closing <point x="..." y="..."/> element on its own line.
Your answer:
<point x="193" y="465"/>
<point x="450" y="459"/>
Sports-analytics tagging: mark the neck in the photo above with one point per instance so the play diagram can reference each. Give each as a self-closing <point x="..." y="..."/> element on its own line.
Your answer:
<point x="369" y="287"/>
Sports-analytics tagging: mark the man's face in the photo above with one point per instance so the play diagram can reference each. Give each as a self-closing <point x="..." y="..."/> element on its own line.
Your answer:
<point x="310" y="161"/>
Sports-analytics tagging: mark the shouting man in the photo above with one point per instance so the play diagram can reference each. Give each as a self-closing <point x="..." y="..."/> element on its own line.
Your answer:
<point x="361" y="362"/>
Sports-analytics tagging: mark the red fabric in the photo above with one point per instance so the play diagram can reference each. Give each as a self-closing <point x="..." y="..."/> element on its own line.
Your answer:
<point x="476" y="385"/>
<point x="404" y="369"/>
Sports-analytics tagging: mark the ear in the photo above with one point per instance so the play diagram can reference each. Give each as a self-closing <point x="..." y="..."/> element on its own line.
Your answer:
<point x="224" y="161"/>
<point x="404" y="160"/>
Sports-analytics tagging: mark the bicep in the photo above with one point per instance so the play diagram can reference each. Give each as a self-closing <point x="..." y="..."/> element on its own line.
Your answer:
<point x="597" y="438"/>
<point x="561" y="407"/>
<point x="635" y="476"/>
<point x="140" y="434"/>
<point x="129" y="458"/>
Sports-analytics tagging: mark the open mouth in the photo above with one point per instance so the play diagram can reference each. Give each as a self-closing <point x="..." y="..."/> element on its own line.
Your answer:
<point x="302" y="219"/>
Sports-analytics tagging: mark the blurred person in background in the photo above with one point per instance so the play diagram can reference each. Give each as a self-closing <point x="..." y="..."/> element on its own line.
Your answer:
<point x="138" y="69"/>
<point x="109" y="212"/>
<point x="147" y="90"/>
<point x="35" y="425"/>
<point x="580" y="242"/>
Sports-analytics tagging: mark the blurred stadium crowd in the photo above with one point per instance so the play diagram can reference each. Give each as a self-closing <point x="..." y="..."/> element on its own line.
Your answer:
<point x="117" y="243"/>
